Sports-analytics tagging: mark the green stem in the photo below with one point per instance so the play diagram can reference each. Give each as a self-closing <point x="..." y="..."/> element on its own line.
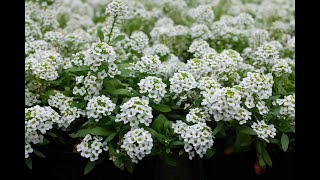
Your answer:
<point x="112" y="27"/>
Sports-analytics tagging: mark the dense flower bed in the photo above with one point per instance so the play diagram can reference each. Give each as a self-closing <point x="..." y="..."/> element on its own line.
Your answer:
<point x="135" y="78"/>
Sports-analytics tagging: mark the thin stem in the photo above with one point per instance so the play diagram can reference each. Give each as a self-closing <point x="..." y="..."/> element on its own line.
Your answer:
<point x="112" y="27"/>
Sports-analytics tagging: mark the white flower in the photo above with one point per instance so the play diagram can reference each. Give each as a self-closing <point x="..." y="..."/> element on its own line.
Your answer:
<point x="197" y="138"/>
<point x="154" y="87"/>
<point x="263" y="130"/>
<point x="196" y="115"/>
<point x="91" y="147"/>
<point x="137" y="143"/>
<point x="99" y="106"/>
<point x="135" y="111"/>
<point x="149" y="64"/>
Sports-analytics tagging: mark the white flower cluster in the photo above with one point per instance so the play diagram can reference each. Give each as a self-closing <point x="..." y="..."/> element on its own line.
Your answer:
<point x="170" y="66"/>
<point x="182" y="81"/>
<point x="38" y="120"/>
<point x="197" y="115"/>
<point x="199" y="48"/>
<point x="31" y="98"/>
<point x="281" y="67"/>
<point x="202" y="14"/>
<point x="63" y="103"/>
<point x="116" y="8"/>
<point x="44" y="65"/>
<point x="257" y="85"/>
<point x="154" y="87"/>
<point x="28" y="150"/>
<point x="206" y="84"/>
<point x="198" y="68"/>
<point x="90" y="85"/>
<point x="100" y="53"/>
<point x="197" y="138"/>
<point x="266" y="55"/>
<point x="137" y="143"/>
<point x="158" y="49"/>
<point x="225" y="66"/>
<point x="223" y="103"/>
<point x="200" y="31"/>
<point x="138" y="41"/>
<point x="148" y="64"/>
<point x="135" y="111"/>
<point x="263" y="130"/>
<point x="92" y="147"/>
<point x="262" y="108"/>
<point x="99" y="106"/>
<point x="287" y="105"/>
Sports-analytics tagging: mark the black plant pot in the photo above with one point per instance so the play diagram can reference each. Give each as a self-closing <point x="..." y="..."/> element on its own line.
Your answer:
<point x="241" y="165"/>
<point x="184" y="169"/>
<point x="70" y="166"/>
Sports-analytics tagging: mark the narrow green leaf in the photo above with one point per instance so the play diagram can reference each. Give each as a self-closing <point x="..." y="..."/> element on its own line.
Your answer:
<point x="90" y="165"/>
<point x="38" y="153"/>
<point x="161" y="107"/>
<point x="51" y="134"/>
<point x="169" y="160"/>
<point x="218" y="128"/>
<point x="181" y="152"/>
<point x="284" y="142"/>
<point x="100" y="35"/>
<point x="77" y="69"/>
<point x="29" y="162"/>
<point x="90" y="121"/>
<point x="122" y="92"/>
<point x="177" y="143"/>
<point x="98" y="131"/>
<point x="266" y="156"/>
<point x="110" y="137"/>
<point x="119" y="38"/>
<point x="119" y="164"/>
<point x="210" y="153"/>
<point x="158" y="123"/>
<point x="262" y="163"/>
<point x="129" y="166"/>
<point x="247" y="130"/>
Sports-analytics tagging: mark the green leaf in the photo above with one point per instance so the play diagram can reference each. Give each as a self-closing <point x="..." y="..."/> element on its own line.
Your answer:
<point x="284" y="142"/>
<point x="77" y="69"/>
<point x="129" y="166"/>
<point x="247" y="130"/>
<point x="161" y="107"/>
<point x="262" y="163"/>
<point x="210" y="153"/>
<point x="90" y="165"/>
<point x="266" y="156"/>
<point x="158" y="123"/>
<point x="155" y="135"/>
<point x="118" y="163"/>
<point x="119" y="38"/>
<point x="181" y="152"/>
<point x="274" y="141"/>
<point x="282" y="91"/>
<point x="177" y="143"/>
<point x="51" y="134"/>
<point x="98" y="131"/>
<point x="218" y="128"/>
<point x="292" y="129"/>
<point x="122" y="92"/>
<point x="100" y="35"/>
<point x="90" y="121"/>
<point x="110" y="137"/>
<point x="29" y="162"/>
<point x="38" y="153"/>
<point x="169" y="160"/>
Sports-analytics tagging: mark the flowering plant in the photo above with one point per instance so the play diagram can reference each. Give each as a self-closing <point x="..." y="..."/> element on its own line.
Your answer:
<point x="130" y="79"/>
